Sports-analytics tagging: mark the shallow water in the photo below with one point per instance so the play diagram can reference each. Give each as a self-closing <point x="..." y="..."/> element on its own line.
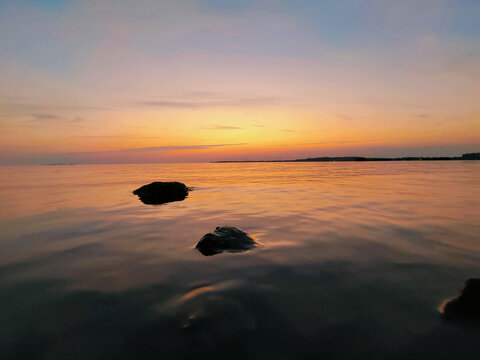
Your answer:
<point x="354" y="261"/>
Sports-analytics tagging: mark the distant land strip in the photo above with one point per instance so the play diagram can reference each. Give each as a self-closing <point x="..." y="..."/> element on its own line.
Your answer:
<point x="470" y="156"/>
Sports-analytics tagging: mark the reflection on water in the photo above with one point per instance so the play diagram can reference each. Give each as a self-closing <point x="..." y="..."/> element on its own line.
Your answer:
<point x="354" y="262"/>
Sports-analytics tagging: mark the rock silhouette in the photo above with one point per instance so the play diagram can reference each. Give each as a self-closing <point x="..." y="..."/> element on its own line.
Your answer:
<point x="162" y="192"/>
<point x="225" y="238"/>
<point x="467" y="305"/>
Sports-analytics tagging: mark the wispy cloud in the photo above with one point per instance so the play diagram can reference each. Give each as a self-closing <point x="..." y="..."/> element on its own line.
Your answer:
<point x="337" y="142"/>
<point x="325" y="143"/>
<point x="33" y="109"/>
<point x="77" y="119"/>
<point x="150" y="149"/>
<point x="211" y="101"/>
<point x="288" y="130"/>
<point x="169" y="104"/>
<point x="220" y="127"/>
<point x="179" y="147"/>
<point x="164" y="148"/>
<point x="53" y="117"/>
<point x="205" y="94"/>
<point x="120" y="137"/>
<point x="422" y="116"/>
<point x="23" y="102"/>
<point x="45" y="116"/>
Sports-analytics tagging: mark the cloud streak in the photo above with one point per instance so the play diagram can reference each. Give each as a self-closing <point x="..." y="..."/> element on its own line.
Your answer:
<point x="45" y="116"/>
<point x="177" y="147"/>
<point x="208" y="103"/>
<point x="220" y="127"/>
<point x="157" y="148"/>
<point x="53" y="117"/>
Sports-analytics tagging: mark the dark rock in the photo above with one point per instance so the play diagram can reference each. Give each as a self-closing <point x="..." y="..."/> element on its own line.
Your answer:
<point x="467" y="305"/>
<point x="225" y="238"/>
<point x="162" y="192"/>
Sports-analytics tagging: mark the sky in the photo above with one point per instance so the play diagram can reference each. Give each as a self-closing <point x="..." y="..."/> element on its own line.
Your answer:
<point x="143" y="81"/>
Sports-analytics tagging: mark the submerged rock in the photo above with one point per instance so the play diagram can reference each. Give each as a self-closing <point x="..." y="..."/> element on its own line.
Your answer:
<point x="209" y="319"/>
<point x="225" y="238"/>
<point x="162" y="192"/>
<point x="467" y="305"/>
<point x="215" y="313"/>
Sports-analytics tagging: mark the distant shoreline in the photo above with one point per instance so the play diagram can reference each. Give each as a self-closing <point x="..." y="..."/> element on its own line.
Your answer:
<point x="470" y="156"/>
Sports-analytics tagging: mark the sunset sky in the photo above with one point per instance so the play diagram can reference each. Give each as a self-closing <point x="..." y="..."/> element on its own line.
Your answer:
<point x="187" y="81"/>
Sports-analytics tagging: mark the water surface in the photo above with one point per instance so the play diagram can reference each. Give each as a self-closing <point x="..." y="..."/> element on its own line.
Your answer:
<point x="354" y="261"/>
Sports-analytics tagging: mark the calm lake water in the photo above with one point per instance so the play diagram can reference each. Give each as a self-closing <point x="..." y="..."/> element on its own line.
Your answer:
<point x="354" y="261"/>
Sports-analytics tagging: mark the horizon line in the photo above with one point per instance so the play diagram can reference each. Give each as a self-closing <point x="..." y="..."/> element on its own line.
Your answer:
<point x="350" y="158"/>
